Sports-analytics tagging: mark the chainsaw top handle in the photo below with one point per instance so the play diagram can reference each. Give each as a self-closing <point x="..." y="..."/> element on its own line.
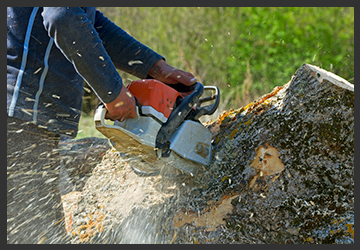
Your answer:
<point x="198" y="109"/>
<point x="208" y="109"/>
<point x="180" y="87"/>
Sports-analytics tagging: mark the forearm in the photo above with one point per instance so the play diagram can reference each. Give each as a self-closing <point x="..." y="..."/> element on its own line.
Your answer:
<point x="78" y="40"/>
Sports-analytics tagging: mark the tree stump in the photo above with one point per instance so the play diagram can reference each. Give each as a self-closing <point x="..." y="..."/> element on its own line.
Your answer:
<point x="282" y="172"/>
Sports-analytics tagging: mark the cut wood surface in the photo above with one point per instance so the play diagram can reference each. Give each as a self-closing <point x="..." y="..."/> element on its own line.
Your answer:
<point x="282" y="172"/>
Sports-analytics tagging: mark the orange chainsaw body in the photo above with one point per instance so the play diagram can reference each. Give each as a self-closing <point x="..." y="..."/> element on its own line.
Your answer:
<point x="155" y="94"/>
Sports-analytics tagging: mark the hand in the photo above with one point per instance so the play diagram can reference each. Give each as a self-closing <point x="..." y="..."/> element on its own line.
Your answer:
<point x="167" y="74"/>
<point x="123" y="107"/>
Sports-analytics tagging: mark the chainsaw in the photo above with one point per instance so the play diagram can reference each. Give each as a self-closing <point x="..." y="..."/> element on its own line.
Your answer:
<point x="166" y="137"/>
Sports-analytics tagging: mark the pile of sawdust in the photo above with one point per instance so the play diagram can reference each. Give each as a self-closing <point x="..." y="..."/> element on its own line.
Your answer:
<point x="114" y="191"/>
<point x="117" y="206"/>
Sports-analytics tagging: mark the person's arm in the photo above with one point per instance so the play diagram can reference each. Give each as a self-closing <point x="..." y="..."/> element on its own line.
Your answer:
<point x="88" y="49"/>
<point x="78" y="40"/>
<point x="76" y="37"/>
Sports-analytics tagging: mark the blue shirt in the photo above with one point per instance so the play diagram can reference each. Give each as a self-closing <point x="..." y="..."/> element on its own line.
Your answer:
<point x="52" y="50"/>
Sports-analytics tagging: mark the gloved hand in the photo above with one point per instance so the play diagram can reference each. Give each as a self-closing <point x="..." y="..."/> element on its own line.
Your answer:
<point x="168" y="74"/>
<point x="123" y="107"/>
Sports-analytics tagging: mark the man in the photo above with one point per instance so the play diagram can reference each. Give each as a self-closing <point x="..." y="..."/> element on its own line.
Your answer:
<point x="50" y="52"/>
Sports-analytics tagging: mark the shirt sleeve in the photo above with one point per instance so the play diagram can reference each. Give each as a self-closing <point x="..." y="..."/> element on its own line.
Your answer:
<point x="97" y="52"/>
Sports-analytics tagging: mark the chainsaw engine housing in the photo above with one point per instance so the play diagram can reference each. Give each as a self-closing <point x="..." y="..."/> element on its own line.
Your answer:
<point x="165" y="133"/>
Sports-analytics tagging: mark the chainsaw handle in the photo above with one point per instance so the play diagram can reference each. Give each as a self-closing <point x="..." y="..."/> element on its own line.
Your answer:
<point x="99" y="117"/>
<point x="208" y="109"/>
<point x="180" y="87"/>
<point x="100" y="113"/>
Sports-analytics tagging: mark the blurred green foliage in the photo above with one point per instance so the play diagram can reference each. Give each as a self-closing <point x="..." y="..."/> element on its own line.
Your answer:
<point x="244" y="51"/>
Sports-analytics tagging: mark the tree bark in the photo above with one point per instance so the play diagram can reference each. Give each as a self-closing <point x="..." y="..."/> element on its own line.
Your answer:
<point x="282" y="172"/>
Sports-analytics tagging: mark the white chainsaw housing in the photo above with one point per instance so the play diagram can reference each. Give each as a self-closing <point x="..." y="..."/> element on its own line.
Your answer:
<point x="190" y="144"/>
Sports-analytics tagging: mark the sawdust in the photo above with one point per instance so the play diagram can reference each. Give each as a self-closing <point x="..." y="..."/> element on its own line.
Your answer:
<point x="70" y="202"/>
<point x="122" y="204"/>
<point x="113" y="193"/>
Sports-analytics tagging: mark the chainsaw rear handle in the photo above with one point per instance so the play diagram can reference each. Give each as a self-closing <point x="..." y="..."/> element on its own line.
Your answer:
<point x="100" y="114"/>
